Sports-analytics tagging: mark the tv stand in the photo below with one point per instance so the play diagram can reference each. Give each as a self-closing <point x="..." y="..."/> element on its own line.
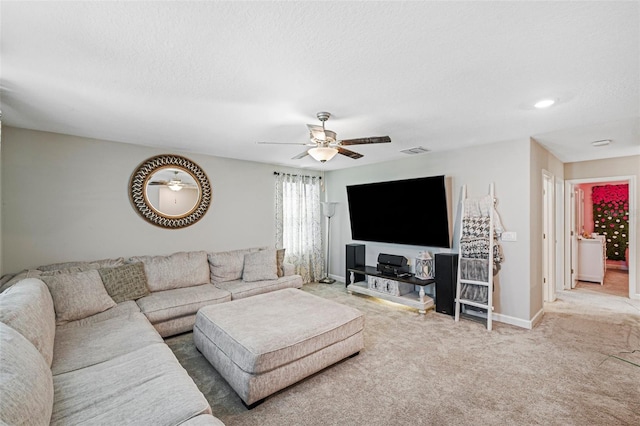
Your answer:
<point x="415" y="299"/>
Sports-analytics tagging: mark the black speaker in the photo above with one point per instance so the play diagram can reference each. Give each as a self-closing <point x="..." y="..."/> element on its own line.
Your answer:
<point x="392" y="260"/>
<point x="446" y="276"/>
<point x="355" y="259"/>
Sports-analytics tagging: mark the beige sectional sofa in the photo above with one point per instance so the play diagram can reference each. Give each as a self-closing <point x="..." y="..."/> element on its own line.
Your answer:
<point x="81" y="343"/>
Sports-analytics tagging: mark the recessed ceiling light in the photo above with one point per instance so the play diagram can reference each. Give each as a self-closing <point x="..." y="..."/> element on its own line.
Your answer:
<point x="603" y="142"/>
<point x="545" y="103"/>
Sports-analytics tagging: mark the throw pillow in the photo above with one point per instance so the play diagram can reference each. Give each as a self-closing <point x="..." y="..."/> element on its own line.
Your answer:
<point x="260" y="266"/>
<point x="78" y="295"/>
<point x="280" y="261"/>
<point x="126" y="282"/>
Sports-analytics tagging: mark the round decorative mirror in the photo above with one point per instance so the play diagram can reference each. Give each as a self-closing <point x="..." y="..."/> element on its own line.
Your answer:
<point x="170" y="191"/>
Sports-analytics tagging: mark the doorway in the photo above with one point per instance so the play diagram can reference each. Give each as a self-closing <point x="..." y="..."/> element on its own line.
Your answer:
<point x="596" y="223"/>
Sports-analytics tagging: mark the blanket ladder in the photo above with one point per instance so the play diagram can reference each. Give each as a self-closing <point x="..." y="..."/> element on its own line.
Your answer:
<point x="488" y="283"/>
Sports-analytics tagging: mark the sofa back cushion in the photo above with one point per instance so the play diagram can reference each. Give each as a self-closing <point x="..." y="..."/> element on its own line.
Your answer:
<point x="27" y="307"/>
<point x="227" y="266"/>
<point x="78" y="295"/>
<point x="26" y="384"/>
<point x="84" y="265"/>
<point x="27" y="273"/>
<point x="182" y="269"/>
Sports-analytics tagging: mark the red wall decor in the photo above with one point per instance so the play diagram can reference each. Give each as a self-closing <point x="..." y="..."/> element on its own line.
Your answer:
<point x="611" y="217"/>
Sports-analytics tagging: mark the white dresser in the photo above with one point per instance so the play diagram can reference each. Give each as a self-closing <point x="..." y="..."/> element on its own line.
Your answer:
<point x="592" y="259"/>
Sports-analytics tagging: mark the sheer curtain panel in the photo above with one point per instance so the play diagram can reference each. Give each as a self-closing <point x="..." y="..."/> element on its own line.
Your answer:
<point x="298" y="223"/>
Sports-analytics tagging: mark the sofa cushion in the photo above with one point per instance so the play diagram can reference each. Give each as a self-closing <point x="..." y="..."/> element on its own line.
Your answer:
<point x="27" y="307"/>
<point x="260" y="266"/>
<point x="121" y="309"/>
<point x="203" y="420"/>
<point x="85" y="265"/>
<point x="27" y="273"/>
<point x="241" y="289"/>
<point x="80" y="347"/>
<point x="228" y="265"/>
<point x="126" y="282"/>
<point x="182" y="269"/>
<point x="144" y="387"/>
<point x="174" y="326"/>
<point x="165" y="305"/>
<point x="26" y="387"/>
<point x="78" y="295"/>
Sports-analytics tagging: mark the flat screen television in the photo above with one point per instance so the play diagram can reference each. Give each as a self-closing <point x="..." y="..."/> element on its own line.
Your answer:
<point x="410" y="211"/>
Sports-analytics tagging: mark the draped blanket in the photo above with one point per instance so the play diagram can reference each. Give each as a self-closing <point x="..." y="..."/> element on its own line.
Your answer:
<point x="475" y="246"/>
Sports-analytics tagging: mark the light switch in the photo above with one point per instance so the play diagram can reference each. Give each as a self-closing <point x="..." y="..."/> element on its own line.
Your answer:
<point x="509" y="236"/>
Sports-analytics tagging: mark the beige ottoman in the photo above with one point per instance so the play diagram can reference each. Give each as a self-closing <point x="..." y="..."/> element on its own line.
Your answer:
<point x="267" y="342"/>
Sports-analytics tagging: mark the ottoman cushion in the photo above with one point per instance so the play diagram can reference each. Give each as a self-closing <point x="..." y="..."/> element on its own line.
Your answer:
<point x="267" y="331"/>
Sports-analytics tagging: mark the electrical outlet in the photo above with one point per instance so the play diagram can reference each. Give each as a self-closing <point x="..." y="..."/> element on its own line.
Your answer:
<point x="509" y="236"/>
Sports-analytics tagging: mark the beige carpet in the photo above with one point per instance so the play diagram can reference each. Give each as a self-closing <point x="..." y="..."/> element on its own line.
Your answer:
<point x="577" y="367"/>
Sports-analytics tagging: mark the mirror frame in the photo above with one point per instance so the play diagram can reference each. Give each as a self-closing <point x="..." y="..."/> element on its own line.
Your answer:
<point x="138" y="191"/>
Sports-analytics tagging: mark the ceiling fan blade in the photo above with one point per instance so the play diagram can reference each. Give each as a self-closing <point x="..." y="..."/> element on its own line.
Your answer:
<point x="301" y="155"/>
<point x="317" y="132"/>
<point x="286" y="143"/>
<point x="158" y="182"/>
<point x="361" y="141"/>
<point x="348" y="153"/>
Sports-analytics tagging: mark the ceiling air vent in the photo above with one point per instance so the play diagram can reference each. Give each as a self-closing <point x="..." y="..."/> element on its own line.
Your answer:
<point x="417" y="150"/>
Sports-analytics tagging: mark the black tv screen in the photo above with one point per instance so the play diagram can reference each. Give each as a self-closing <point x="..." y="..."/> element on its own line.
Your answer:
<point x="410" y="211"/>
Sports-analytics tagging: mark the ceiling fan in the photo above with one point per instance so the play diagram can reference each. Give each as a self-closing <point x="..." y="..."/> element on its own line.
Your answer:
<point x="174" y="184"/>
<point x="326" y="144"/>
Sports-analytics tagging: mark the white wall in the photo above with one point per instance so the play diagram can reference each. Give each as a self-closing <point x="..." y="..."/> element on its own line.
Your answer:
<point x="65" y="198"/>
<point x="541" y="160"/>
<point x="504" y="163"/>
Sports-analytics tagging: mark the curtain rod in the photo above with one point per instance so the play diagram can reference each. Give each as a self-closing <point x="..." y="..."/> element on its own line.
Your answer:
<point x="289" y="174"/>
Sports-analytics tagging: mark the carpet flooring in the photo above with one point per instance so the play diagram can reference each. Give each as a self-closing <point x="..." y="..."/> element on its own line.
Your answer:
<point x="579" y="366"/>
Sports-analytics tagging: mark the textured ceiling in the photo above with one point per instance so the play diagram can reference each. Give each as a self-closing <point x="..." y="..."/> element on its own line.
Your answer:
<point x="217" y="77"/>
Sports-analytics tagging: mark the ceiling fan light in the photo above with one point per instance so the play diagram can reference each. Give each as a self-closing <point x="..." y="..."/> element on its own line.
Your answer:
<point x="322" y="153"/>
<point x="544" y="103"/>
<point x="175" y="186"/>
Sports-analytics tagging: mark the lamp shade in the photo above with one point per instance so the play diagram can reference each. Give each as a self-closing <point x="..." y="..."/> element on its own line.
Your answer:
<point x="328" y="208"/>
<point x="322" y="153"/>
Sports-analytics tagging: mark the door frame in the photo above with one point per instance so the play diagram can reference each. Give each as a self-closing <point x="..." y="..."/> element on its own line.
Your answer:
<point x="634" y="292"/>
<point x="548" y="237"/>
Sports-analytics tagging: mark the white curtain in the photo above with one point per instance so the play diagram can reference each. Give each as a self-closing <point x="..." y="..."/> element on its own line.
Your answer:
<point x="298" y="223"/>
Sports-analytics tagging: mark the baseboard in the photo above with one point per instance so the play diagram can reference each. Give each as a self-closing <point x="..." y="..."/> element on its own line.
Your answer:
<point x="519" y="322"/>
<point x="506" y="319"/>
<point x="337" y="278"/>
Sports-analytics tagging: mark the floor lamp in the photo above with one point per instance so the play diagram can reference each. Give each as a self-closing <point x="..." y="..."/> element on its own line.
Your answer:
<point x="328" y="209"/>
